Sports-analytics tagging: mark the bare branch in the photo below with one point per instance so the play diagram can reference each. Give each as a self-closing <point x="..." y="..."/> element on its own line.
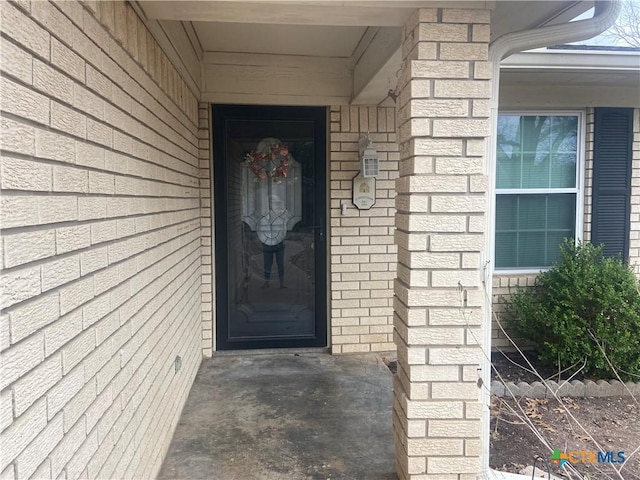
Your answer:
<point x="626" y="30"/>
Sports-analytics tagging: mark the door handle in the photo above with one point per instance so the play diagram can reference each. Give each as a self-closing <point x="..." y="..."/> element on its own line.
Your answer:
<point x="317" y="227"/>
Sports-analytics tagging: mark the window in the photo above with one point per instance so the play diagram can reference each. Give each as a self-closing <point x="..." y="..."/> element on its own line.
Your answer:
<point x="538" y="165"/>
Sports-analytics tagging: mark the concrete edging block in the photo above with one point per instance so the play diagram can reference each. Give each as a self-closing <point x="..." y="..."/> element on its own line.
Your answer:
<point x="573" y="388"/>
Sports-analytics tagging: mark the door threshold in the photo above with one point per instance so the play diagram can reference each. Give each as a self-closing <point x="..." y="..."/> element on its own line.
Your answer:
<point x="273" y="351"/>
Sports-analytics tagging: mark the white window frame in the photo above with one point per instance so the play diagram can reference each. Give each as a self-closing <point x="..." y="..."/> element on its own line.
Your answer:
<point x="579" y="189"/>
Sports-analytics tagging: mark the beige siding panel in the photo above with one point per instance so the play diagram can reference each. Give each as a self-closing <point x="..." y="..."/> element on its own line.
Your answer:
<point x="273" y="78"/>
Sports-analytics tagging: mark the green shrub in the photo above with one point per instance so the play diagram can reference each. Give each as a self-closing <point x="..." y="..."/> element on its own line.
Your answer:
<point x="583" y="296"/>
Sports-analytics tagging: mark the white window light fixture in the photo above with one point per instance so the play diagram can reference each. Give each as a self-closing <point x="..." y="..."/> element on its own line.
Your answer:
<point x="370" y="166"/>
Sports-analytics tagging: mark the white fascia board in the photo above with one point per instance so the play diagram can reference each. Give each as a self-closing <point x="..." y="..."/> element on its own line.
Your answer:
<point x="573" y="60"/>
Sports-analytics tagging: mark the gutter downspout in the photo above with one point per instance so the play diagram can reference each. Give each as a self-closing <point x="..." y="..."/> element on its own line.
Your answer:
<point x="605" y="14"/>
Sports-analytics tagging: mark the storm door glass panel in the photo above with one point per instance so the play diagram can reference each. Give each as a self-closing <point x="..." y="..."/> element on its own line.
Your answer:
<point x="271" y="229"/>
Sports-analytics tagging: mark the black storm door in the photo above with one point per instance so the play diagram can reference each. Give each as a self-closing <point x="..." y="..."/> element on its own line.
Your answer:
<point x="270" y="236"/>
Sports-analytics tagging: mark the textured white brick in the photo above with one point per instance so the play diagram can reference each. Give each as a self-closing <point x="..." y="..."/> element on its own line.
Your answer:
<point x="76" y="350"/>
<point x="456" y="243"/>
<point x="90" y="208"/>
<point x="31" y="316"/>
<point x="461" y="89"/>
<point x="23" y="102"/>
<point x="76" y="294"/>
<point x="464" y="51"/>
<point x="437" y="146"/>
<point x="475" y="147"/>
<point x="470" y="16"/>
<point x="101" y="183"/>
<point x="63" y="452"/>
<point x="100" y="457"/>
<point x="15" y="61"/>
<point x="54" y="209"/>
<point x="455" y="278"/>
<point x="17" y="286"/>
<point x="20" y="174"/>
<point x="97" y="81"/>
<point x="27" y="247"/>
<point x="170" y="130"/>
<point x="6" y="409"/>
<point x="68" y="61"/>
<point x="33" y="455"/>
<point x="93" y="260"/>
<point x="437" y="184"/>
<point x="455" y="356"/>
<point x="459" y="166"/>
<point x="69" y="179"/>
<point x="433" y="373"/>
<point x="419" y="409"/>
<point x="435" y="336"/>
<point x="61" y="393"/>
<point x="429" y="108"/>
<point x="106" y="327"/>
<point x="440" y="32"/>
<point x="17" y="137"/>
<point x="95" y="310"/>
<point x="63" y="330"/>
<point x="90" y="155"/>
<point x="59" y="272"/>
<point x="460" y="128"/>
<point x="72" y="238"/>
<point x="435" y="223"/>
<point x="5" y="337"/>
<point x="439" y="69"/>
<point x="455" y="390"/>
<point x="456" y="466"/>
<point x="466" y="203"/>
<point x="52" y="82"/>
<point x="22" y="432"/>
<point x="434" y="446"/>
<point x="87" y="101"/>
<point x="67" y="120"/>
<point x="78" y="462"/>
<point x="76" y="407"/>
<point x="54" y="146"/>
<point x="32" y="386"/>
<point x="21" y="358"/>
<point x="25" y="31"/>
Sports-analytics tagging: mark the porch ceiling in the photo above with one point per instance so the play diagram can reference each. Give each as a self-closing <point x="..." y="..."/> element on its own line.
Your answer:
<point x="355" y="43"/>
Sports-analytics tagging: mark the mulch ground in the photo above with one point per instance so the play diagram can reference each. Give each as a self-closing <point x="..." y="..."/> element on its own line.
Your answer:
<point x="514" y="368"/>
<point x="525" y="429"/>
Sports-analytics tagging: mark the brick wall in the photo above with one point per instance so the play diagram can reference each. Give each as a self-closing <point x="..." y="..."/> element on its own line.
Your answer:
<point x="363" y="254"/>
<point x="101" y="213"/>
<point x="443" y="111"/>
<point x="205" y="157"/>
<point x="588" y="175"/>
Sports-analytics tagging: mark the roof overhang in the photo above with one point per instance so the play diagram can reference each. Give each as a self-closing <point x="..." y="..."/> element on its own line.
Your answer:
<point x="563" y="78"/>
<point x="363" y="58"/>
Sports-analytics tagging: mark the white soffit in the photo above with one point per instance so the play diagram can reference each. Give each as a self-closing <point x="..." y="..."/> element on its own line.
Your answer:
<point x="319" y="41"/>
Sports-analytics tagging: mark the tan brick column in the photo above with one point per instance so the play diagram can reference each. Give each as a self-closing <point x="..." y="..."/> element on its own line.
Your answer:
<point x="443" y="123"/>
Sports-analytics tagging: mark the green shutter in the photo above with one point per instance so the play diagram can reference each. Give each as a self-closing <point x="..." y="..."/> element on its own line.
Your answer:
<point x="613" y="137"/>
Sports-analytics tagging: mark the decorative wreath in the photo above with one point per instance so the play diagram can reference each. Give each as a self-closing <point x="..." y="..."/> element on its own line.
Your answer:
<point x="263" y="163"/>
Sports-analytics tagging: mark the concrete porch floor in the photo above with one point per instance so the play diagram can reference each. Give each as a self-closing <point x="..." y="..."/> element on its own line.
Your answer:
<point x="286" y="416"/>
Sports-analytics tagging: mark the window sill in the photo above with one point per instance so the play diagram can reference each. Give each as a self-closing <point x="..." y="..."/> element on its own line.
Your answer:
<point x="535" y="271"/>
